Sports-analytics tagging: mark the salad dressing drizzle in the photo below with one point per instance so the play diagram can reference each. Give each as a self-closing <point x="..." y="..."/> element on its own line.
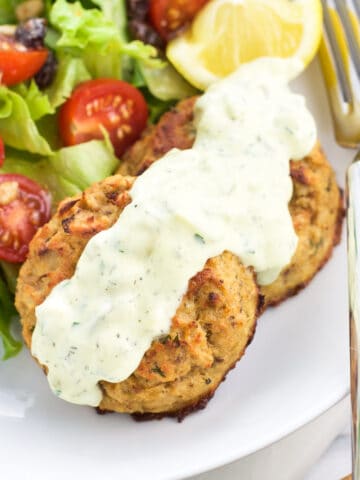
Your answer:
<point x="229" y="192"/>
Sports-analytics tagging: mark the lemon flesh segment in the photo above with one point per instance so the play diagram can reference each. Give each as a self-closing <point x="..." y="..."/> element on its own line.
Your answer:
<point x="227" y="33"/>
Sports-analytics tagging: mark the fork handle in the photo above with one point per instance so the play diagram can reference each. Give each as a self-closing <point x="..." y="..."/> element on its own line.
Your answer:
<point x="353" y="229"/>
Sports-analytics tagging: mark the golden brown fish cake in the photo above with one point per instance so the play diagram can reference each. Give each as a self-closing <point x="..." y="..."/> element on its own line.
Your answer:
<point x="210" y="330"/>
<point x="316" y="206"/>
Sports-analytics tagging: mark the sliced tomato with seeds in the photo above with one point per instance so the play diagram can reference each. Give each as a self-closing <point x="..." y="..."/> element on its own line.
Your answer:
<point x="24" y="207"/>
<point x="19" y="63"/>
<point x="94" y="105"/>
<point x="169" y="16"/>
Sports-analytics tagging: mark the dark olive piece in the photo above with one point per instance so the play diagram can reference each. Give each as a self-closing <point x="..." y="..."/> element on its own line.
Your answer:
<point x="142" y="31"/>
<point x="137" y="9"/>
<point x="46" y="74"/>
<point x="31" y="33"/>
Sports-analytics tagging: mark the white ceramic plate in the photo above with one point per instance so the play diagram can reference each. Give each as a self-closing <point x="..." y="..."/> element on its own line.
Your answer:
<point x="295" y="369"/>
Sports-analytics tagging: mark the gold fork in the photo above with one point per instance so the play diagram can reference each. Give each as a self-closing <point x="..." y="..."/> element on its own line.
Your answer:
<point x="340" y="61"/>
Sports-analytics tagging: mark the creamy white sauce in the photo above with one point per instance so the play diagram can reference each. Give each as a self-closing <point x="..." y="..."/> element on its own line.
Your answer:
<point x="229" y="192"/>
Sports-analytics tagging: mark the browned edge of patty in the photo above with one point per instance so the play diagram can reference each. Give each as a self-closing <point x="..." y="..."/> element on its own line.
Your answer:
<point x="336" y="240"/>
<point x="201" y="403"/>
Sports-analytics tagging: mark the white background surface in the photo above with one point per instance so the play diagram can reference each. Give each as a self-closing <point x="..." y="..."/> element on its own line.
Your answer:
<point x="315" y="452"/>
<point x="335" y="463"/>
<point x="295" y="369"/>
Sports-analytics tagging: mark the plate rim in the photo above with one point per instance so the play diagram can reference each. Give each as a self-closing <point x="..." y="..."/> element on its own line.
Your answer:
<point x="233" y="458"/>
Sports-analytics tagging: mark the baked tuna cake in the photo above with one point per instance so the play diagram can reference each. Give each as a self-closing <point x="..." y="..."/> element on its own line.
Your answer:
<point x="209" y="333"/>
<point x="316" y="206"/>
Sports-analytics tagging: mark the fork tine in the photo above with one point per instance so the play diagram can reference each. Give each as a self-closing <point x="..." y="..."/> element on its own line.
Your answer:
<point x="340" y="61"/>
<point x="349" y="26"/>
<point x="357" y="7"/>
<point x="337" y="40"/>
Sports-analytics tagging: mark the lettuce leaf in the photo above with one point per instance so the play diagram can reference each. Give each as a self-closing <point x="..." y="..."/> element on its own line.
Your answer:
<point x="71" y="71"/>
<point x="138" y="50"/>
<point x="115" y="10"/>
<point x="156" y="107"/>
<point x="68" y="171"/>
<point x="80" y="27"/>
<point x="85" y="164"/>
<point x="7" y="314"/>
<point x="90" y="35"/>
<point x="37" y="101"/>
<point x="11" y="272"/>
<point x="49" y="129"/>
<point x="164" y="82"/>
<point x="17" y="127"/>
<point x="41" y="171"/>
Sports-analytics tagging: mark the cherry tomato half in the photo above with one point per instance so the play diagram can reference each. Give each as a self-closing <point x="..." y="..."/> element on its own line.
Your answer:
<point x="111" y="104"/>
<point x="168" y="16"/>
<point x="19" y="63"/>
<point x="24" y="207"/>
<point x="2" y="153"/>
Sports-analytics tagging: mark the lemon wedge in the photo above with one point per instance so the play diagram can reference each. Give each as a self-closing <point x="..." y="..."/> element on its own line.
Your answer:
<point x="227" y="33"/>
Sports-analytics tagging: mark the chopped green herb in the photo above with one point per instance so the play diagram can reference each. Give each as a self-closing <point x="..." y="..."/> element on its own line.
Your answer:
<point x="199" y="238"/>
<point x="329" y="184"/>
<point x="158" y="370"/>
<point x="316" y="245"/>
<point x="164" y="339"/>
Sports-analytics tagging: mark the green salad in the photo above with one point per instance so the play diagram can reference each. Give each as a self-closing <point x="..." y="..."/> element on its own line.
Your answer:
<point x="63" y="67"/>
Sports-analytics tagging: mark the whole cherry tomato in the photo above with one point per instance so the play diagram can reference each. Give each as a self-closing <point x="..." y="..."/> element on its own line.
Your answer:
<point x="24" y="207"/>
<point x="104" y="103"/>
